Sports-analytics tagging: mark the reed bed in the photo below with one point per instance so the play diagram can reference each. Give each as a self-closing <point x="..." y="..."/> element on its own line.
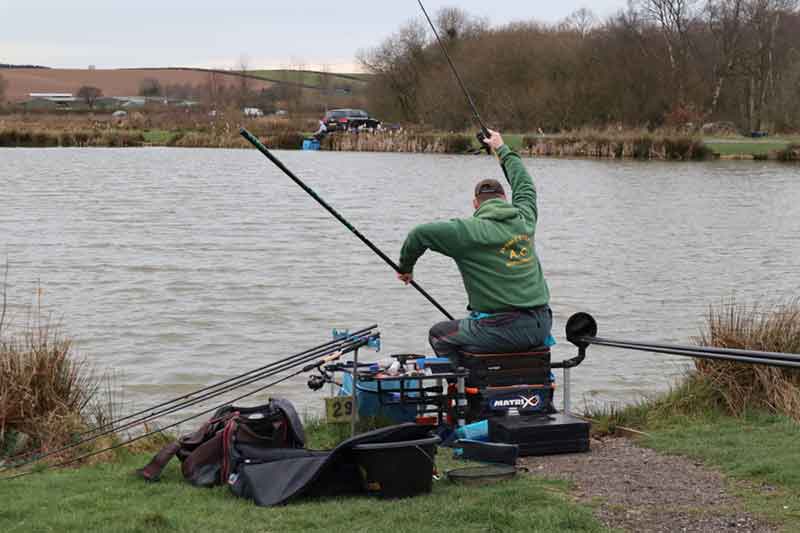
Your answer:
<point x="643" y="146"/>
<point x="48" y="394"/>
<point x="740" y="387"/>
<point x="400" y="141"/>
<point x="715" y="388"/>
<point x="22" y="138"/>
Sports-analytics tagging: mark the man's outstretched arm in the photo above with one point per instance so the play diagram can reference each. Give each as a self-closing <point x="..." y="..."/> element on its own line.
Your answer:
<point x="442" y="237"/>
<point x="522" y="188"/>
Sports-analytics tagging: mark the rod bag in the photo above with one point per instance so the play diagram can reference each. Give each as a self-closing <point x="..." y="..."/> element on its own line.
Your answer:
<point x="211" y="453"/>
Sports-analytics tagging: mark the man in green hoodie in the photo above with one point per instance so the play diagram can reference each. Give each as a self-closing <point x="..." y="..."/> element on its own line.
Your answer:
<point x="495" y="253"/>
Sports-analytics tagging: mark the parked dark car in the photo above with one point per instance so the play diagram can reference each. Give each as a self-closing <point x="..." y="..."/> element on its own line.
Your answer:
<point x="347" y="119"/>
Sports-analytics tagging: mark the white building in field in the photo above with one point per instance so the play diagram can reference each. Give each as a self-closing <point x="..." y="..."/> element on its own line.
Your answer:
<point x="53" y="97"/>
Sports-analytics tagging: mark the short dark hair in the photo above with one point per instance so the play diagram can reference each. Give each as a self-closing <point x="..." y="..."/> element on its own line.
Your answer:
<point x="489" y="189"/>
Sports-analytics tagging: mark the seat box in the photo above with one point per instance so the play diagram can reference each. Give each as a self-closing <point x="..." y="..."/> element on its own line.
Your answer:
<point x="541" y="435"/>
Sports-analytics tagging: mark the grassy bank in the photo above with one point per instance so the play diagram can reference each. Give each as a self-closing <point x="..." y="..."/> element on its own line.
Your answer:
<point x="108" y="498"/>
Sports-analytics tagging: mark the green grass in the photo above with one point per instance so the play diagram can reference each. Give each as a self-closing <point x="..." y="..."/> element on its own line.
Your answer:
<point x="760" y="450"/>
<point x="159" y="137"/>
<point x="109" y="498"/>
<point x="746" y="147"/>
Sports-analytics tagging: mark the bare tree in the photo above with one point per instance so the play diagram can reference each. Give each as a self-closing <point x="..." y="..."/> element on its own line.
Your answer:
<point x="244" y="91"/>
<point x="726" y="21"/>
<point x="213" y="89"/>
<point x="150" y="87"/>
<point x="581" y="21"/>
<point x="398" y="66"/>
<point x="764" y="17"/>
<point x="89" y="94"/>
<point x="674" y="18"/>
<point x="454" y="23"/>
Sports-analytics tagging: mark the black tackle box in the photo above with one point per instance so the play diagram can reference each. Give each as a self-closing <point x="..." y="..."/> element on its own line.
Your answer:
<point x="541" y="435"/>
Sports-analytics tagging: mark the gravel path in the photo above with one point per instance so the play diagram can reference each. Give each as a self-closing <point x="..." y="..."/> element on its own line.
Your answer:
<point x="638" y="490"/>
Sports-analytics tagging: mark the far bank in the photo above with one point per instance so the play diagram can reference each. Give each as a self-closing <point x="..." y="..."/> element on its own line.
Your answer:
<point x="191" y="131"/>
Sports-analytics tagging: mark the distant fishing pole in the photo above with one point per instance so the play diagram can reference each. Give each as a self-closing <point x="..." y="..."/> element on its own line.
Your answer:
<point x="484" y="133"/>
<point x="264" y="150"/>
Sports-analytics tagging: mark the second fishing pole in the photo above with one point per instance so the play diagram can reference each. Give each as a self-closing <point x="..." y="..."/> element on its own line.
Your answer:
<point x="349" y="344"/>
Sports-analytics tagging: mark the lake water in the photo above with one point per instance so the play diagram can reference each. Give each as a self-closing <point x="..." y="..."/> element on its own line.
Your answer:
<point x="175" y="268"/>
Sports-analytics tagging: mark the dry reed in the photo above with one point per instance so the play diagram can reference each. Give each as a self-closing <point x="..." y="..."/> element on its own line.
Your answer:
<point x="48" y="394"/>
<point x="742" y="386"/>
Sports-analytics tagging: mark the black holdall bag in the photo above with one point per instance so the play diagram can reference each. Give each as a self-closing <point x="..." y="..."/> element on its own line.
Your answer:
<point x="233" y="434"/>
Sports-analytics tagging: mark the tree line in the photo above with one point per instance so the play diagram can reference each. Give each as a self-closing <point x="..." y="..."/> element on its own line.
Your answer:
<point x="657" y="63"/>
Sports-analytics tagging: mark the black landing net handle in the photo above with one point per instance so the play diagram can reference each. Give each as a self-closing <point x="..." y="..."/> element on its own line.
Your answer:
<point x="582" y="332"/>
<point x="269" y="155"/>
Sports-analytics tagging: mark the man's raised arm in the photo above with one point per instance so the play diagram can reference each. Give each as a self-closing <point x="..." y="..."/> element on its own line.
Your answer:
<point x="522" y="188"/>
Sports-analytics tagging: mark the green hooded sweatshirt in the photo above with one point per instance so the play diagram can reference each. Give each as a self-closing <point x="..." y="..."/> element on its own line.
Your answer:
<point x="494" y="250"/>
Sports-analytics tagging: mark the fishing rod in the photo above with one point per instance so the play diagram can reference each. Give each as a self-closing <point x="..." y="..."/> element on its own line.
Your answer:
<point x="484" y="133"/>
<point x="349" y="345"/>
<point x="308" y="368"/>
<point x="722" y="352"/>
<point x="264" y="150"/>
<point x="582" y="331"/>
<point x="224" y="382"/>
<point x="112" y="427"/>
<point x="698" y="354"/>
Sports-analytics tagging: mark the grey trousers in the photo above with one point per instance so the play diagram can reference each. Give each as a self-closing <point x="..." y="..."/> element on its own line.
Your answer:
<point x="515" y="331"/>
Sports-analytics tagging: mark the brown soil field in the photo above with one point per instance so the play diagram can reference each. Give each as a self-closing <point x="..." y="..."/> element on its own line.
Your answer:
<point x="122" y="82"/>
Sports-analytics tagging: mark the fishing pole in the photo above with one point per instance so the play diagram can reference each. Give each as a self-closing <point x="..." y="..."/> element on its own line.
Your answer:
<point x="112" y="427"/>
<point x="699" y="354"/>
<point x="349" y="345"/>
<point x="710" y="350"/>
<point x="224" y="382"/>
<point x="183" y="421"/>
<point x="264" y="150"/>
<point x="582" y="331"/>
<point x="484" y="133"/>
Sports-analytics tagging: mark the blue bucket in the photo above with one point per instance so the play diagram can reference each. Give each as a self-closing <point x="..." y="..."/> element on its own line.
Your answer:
<point x="369" y="402"/>
<point x="310" y="144"/>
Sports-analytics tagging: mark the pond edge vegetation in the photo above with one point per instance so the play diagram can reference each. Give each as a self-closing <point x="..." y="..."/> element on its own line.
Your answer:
<point x="586" y="143"/>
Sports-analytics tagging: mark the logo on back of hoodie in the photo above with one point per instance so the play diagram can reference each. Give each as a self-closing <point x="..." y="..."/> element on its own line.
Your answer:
<point x="518" y="251"/>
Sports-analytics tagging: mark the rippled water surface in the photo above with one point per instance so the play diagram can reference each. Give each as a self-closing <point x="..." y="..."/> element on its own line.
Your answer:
<point x="179" y="267"/>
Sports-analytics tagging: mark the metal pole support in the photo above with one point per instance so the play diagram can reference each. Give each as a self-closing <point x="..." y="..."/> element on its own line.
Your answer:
<point x="461" y="398"/>
<point x="566" y="393"/>
<point x="354" y="413"/>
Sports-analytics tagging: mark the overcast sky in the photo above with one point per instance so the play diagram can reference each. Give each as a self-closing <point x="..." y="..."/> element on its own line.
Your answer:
<point x="204" y="33"/>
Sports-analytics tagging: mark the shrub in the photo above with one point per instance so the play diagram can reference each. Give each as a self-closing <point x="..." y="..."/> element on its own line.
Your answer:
<point x="8" y="138"/>
<point x="47" y="394"/>
<point x="740" y="387"/>
<point x="642" y="147"/>
<point x="41" y="139"/>
<point x="457" y="144"/>
<point x="81" y="138"/>
<point x="529" y="142"/>
<point x="678" y="148"/>
<point x="790" y="153"/>
<point x="701" y="152"/>
<point x="287" y="141"/>
<point x="66" y="139"/>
